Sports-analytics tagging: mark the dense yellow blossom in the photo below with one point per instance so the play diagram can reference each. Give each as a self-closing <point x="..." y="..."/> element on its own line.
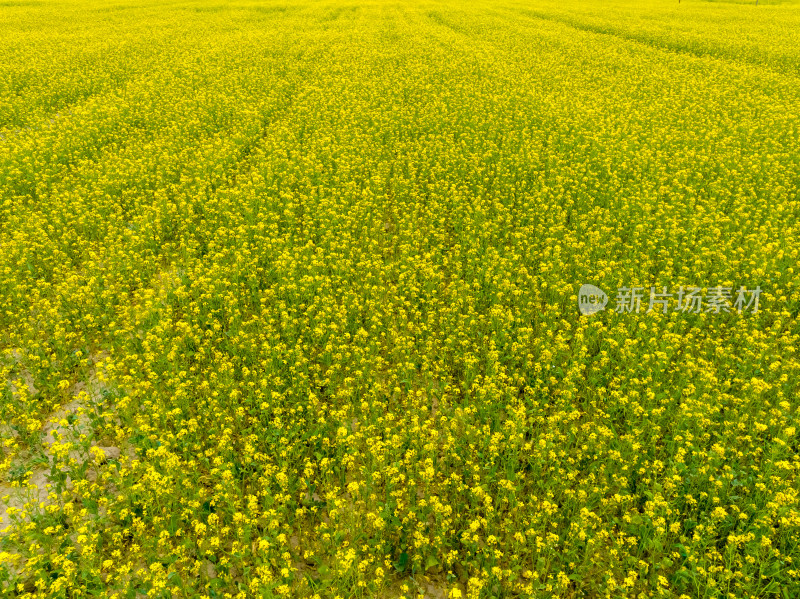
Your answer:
<point x="288" y="298"/>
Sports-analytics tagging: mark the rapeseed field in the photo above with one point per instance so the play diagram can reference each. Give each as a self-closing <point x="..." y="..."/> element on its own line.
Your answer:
<point x="290" y="299"/>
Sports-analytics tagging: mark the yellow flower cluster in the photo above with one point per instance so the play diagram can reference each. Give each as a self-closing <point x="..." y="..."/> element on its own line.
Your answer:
<point x="299" y="282"/>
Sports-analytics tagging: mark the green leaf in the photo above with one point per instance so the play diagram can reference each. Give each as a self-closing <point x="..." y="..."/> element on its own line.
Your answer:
<point x="682" y="550"/>
<point x="431" y="562"/>
<point x="773" y="570"/>
<point x="402" y="562"/>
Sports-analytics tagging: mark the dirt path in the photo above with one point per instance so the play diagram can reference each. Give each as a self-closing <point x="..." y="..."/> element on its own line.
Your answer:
<point x="64" y="435"/>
